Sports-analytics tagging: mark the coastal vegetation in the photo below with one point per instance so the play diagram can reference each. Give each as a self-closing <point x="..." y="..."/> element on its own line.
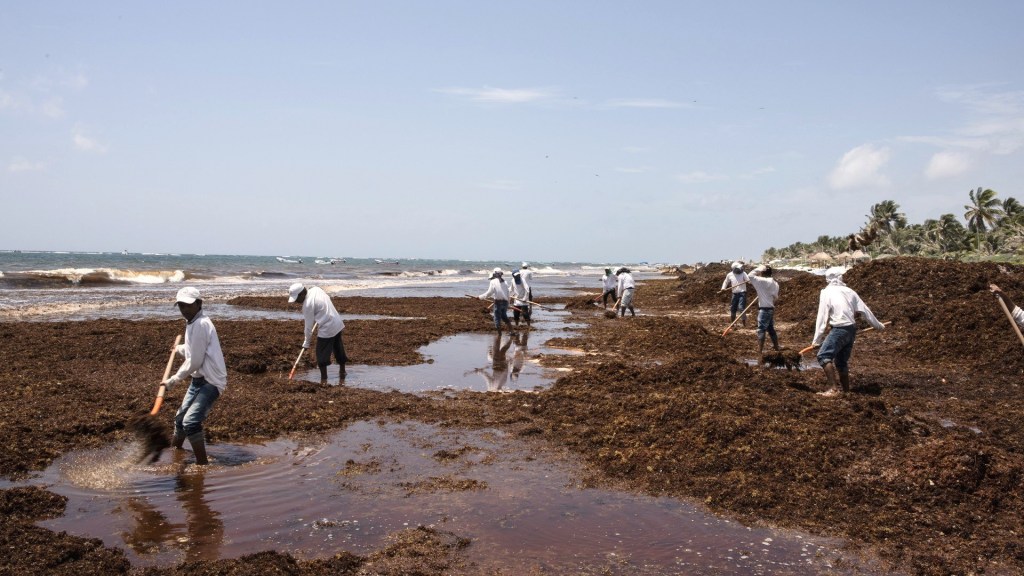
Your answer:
<point x="992" y="229"/>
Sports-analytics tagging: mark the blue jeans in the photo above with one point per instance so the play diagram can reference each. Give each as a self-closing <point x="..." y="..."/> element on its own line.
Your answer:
<point x="838" y="346"/>
<point x="766" y="323"/>
<point x="195" y="406"/>
<point x="739" y="303"/>
<point x="500" y="313"/>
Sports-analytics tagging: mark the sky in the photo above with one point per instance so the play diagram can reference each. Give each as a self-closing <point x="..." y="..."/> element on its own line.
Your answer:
<point x="595" y="131"/>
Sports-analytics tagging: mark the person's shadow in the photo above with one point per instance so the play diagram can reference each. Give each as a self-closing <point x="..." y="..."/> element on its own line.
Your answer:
<point x="203" y="532"/>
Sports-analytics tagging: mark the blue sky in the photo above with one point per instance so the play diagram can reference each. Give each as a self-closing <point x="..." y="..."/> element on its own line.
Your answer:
<point x="576" y="130"/>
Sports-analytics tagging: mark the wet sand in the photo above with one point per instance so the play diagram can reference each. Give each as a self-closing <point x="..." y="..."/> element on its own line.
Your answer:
<point x="922" y="464"/>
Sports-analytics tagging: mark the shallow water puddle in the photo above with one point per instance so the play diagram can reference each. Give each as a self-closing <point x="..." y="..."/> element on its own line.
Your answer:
<point x="484" y="362"/>
<point x="521" y="506"/>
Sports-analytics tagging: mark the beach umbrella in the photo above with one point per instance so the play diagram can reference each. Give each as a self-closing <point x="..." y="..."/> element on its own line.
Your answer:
<point x="860" y="255"/>
<point x="820" y="256"/>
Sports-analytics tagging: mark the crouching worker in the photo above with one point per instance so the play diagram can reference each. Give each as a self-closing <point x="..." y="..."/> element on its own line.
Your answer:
<point x="204" y="363"/>
<point x="318" y="309"/>
<point x="838" y="306"/>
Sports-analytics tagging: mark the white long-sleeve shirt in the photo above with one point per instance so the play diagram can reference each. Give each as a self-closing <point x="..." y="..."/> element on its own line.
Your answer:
<point x="625" y="281"/>
<point x="838" y="306"/>
<point x="203" y="356"/>
<point x="610" y="282"/>
<point x="520" y="292"/>
<point x="736" y="281"/>
<point x="1018" y="316"/>
<point x="318" y="309"/>
<point x="767" y="290"/>
<point x="498" y="289"/>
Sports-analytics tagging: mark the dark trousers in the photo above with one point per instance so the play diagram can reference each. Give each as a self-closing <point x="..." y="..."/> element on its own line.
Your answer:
<point x="326" y="346"/>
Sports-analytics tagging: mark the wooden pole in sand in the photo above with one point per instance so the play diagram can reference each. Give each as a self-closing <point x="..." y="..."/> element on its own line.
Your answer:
<point x="1010" y="316"/>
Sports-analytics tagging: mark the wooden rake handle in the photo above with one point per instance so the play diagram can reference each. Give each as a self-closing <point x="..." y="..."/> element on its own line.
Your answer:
<point x="296" y="365"/>
<point x="167" y="372"/>
<point x="740" y="315"/>
<point x="812" y="346"/>
<point x="1010" y="316"/>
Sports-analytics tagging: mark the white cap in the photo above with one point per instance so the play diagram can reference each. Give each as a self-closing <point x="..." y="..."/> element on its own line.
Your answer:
<point x="760" y="268"/>
<point x="737" y="265"/>
<point x="294" y="290"/>
<point x="834" y="273"/>
<point x="525" y="265"/>
<point x="187" y="295"/>
<point x="496" y="272"/>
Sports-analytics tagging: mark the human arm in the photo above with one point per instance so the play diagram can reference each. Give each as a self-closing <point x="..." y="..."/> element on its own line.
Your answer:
<point x="197" y="341"/>
<point x="821" y="323"/>
<point x="868" y="315"/>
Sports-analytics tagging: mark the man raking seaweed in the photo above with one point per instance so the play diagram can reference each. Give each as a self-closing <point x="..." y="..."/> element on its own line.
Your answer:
<point x="204" y="363"/>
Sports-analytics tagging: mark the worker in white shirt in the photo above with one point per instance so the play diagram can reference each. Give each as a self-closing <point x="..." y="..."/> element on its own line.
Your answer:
<point x="767" y="296"/>
<point x="498" y="290"/>
<point x="838" y="306"/>
<point x="520" y="293"/>
<point x="625" y="288"/>
<point x="319" y="310"/>
<point x="527" y="273"/>
<point x="1015" y="311"/>
<point x="204" y="363"/>
<point x="610" y="284"/>
<point x="737" y="280"/>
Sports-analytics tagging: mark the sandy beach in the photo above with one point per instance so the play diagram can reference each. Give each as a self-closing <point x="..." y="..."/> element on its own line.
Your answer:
<point x="919" y="468"/>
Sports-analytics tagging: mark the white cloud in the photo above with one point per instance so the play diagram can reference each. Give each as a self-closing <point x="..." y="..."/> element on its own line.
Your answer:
<point x="995" y="124"/>
<point x="20" y="164"/>
<point x="489" y="95"/>
<point x="699" y="177"/>
<point x="647" y="103"/>
<point x="946" y="164"/>
<point x="52" y="108"/>
<point x="860" y="167"/>
<point x="86" y="143"/>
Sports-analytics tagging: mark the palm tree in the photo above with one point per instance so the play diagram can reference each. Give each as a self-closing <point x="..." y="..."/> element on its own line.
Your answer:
<point x="983" y="211"/>
<point x="886" y="215"/>
<point x="1012" y="211"/>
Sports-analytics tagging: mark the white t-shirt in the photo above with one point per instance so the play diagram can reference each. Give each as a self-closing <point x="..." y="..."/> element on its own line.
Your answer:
<point x="203" y="356"/>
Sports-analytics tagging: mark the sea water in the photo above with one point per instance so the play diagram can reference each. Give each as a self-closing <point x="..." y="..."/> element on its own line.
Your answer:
<point x="91" y="285"/>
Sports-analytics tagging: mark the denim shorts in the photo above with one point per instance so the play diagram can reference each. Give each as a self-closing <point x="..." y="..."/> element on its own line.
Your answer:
<point x="838" y="346"/>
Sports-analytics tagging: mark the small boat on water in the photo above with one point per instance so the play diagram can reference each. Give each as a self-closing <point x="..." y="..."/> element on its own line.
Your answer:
<point x="289" y="260"/>
<point x="330" y="260"/>
<point x="379" y="261"/>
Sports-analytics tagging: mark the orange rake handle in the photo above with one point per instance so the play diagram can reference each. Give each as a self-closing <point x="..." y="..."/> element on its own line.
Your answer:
<point x="167" y="372"/>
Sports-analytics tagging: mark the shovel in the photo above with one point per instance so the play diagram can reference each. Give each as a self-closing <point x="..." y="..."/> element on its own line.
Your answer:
<point x="296" y="365"/>
<point x="740" y="315"/>
<point x="812" y="346"/>
<point x="148" y="427"/>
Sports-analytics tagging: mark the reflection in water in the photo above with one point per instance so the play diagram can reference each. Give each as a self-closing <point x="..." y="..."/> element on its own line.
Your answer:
<point x="496" y="374"/>
<point x="519" y="353"/>
<point x="202" y="533"/>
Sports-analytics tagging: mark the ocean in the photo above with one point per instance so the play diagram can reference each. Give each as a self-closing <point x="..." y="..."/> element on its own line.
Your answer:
<point x="59" y="286"/>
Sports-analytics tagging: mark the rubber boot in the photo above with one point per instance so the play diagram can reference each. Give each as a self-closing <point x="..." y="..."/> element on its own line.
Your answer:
<point x="323" y="375"/>
<point x="832" y="376"/>
<point x="341" y="373"/>
<point x="844" y="379"/>
<point x="760" y="346"/>
<point x="178" y="440"/>
<point x="198" y="443"/>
